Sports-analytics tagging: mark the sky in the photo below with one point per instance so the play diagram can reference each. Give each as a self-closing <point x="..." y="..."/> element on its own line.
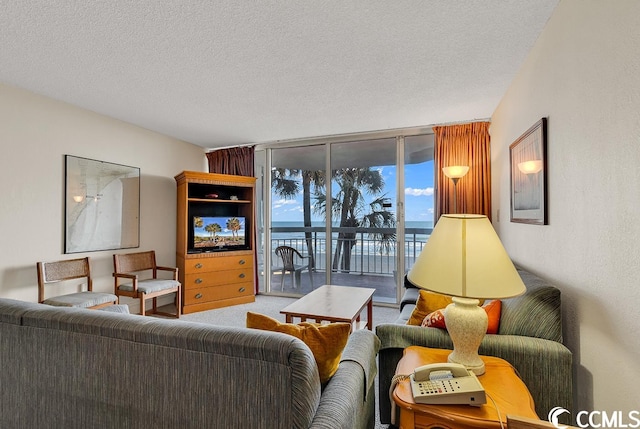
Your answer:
<point x="419" y="199"/>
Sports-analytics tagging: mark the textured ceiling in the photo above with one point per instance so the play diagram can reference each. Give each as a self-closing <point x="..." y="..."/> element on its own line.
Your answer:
<point x="227" y="72"/>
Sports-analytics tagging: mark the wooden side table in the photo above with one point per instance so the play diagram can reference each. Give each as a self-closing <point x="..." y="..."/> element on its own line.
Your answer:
<point x="500" y="382"/>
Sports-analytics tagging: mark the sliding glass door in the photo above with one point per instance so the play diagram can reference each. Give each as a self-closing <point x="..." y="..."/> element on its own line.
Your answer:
<point x="297" y="181"/>
<point x="363" y="235"/>
<point x="349" y="226"/>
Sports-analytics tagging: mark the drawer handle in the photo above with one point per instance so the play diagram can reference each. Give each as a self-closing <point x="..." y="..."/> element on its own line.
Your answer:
<point x="198" y="265"/>
<point x="241" y="289"/>
<point x="241" y="275"/>
<point x="241" y="262"/>
<point x="198" y="281"/>
<point x="198" y="295"/>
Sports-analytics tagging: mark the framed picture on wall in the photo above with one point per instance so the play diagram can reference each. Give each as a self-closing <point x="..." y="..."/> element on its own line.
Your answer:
<point x="528" y="159"/>
<point x="102" y="205"/>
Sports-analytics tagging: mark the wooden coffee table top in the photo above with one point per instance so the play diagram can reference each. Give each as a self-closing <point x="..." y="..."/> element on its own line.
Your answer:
<point x="331" y="303"/>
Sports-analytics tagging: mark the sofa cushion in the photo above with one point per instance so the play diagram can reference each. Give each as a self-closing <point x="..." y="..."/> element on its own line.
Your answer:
<point x="325" y="341"/>
<point x="436" y="319"/>
<point x="537" y="313"/>
<point x="427" y="303"/>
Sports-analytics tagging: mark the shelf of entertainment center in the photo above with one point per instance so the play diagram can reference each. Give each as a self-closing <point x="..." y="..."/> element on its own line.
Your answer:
<point x="210" y="200"/>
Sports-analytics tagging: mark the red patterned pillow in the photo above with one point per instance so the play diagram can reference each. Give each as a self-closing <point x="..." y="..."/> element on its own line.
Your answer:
<point x="434" y="320"/>
<point x="493" y="309"/>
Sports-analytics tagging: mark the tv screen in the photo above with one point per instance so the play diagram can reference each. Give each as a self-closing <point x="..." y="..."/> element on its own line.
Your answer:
<point x="218" y="233"/>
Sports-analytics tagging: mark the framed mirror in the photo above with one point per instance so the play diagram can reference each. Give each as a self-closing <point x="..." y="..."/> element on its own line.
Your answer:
<point x="102" y="205"/>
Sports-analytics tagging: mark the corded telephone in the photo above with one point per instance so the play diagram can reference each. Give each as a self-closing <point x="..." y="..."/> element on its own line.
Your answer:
<point x="446" y="383"/>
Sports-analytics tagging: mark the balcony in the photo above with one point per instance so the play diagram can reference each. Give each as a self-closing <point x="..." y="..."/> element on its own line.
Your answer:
<point x="372" y="264"/>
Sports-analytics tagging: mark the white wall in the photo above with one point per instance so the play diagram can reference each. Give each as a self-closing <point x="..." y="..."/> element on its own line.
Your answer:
<point x="584" y="75"/>
<point x="35" y="134"/>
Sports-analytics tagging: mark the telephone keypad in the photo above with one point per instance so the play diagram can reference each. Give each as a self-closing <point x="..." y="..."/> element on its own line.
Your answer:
<point x="431" y="387"/>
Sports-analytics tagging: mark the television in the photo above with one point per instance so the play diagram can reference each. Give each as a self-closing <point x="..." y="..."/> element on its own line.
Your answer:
<point x="218" y="233"/>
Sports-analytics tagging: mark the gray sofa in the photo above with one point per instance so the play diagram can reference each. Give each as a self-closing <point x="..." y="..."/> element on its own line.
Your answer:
<point x="529" y="337"/>
<point x="77" y="368"/>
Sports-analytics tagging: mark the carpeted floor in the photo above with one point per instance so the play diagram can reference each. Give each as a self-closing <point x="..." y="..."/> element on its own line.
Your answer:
<point x="271" y="306"/>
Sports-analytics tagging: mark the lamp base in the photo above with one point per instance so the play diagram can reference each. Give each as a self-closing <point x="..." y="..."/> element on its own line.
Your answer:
<point x="467" y="326"/>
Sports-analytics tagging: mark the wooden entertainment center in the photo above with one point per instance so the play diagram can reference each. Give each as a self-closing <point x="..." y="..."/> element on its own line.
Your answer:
<point x="216" y="270"/>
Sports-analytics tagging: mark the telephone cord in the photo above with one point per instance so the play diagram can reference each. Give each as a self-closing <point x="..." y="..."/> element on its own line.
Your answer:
<point x="394" y="382"/>
<point x="497" y="410"/>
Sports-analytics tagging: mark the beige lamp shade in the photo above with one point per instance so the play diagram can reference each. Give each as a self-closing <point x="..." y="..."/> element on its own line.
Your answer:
<point x="455" y="171"/>
<point x="465" y="258"/>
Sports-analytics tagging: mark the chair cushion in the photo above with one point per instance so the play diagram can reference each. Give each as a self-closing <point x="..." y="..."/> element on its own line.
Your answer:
<point x="116" y="308"/>
<point x="150" y="285"/>
<point x="81" y="299"/>
<point x="325" y="341"/>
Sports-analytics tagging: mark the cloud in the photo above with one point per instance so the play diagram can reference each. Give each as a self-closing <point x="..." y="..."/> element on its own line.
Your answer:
<point x="426" y="192"/>
<point x="281" y="203"/>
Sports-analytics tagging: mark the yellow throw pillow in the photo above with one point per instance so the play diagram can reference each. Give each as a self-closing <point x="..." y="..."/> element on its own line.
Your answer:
<point x="325" y="341"/>
<point x="427" y="303"/>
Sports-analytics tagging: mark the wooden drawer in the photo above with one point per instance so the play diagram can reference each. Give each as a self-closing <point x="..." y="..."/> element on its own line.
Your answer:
<point x="217" y="263"/>
<point x="206" y="294"/>
<point x="217" y="278"/>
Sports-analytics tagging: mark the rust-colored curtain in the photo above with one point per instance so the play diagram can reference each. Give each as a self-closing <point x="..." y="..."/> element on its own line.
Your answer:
<point x="234" y="160"/>
<point x="465" y="144"/>
<point x="239" y="162"/>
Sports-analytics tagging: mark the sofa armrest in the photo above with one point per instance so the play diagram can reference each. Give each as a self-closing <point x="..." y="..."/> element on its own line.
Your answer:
<point x="348" y="400"/>
<point x="545" y="366"/>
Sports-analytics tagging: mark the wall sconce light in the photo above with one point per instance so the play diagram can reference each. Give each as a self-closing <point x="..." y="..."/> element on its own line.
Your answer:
<point x="455" y="173"/>
<point x="80" y="198"/>
<point x="530" y="167"/>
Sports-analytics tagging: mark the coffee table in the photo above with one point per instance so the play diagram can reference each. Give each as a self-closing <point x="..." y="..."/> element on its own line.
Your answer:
<point x="333" y="303"/>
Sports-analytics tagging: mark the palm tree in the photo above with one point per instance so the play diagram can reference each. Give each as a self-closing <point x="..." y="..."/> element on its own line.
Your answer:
<point x="286" y="183"/>
<point x="348" y="205"/>
<point x="350" y="209"/>
<point x="212" y="228"/>
<point x="233" y="225"/>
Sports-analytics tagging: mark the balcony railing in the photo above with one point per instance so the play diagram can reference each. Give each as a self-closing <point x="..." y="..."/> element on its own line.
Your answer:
<point x="368" y="254"/>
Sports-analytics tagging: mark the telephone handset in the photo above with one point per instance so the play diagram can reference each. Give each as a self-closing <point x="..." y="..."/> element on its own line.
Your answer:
<point x="446" y="383"/>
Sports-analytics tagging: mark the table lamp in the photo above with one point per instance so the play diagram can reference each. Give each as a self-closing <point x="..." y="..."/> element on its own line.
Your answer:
<point x="465" y="259"/>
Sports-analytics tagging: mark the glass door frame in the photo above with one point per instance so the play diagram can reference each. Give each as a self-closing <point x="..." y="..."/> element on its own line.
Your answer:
<point x="327" y="142"/>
